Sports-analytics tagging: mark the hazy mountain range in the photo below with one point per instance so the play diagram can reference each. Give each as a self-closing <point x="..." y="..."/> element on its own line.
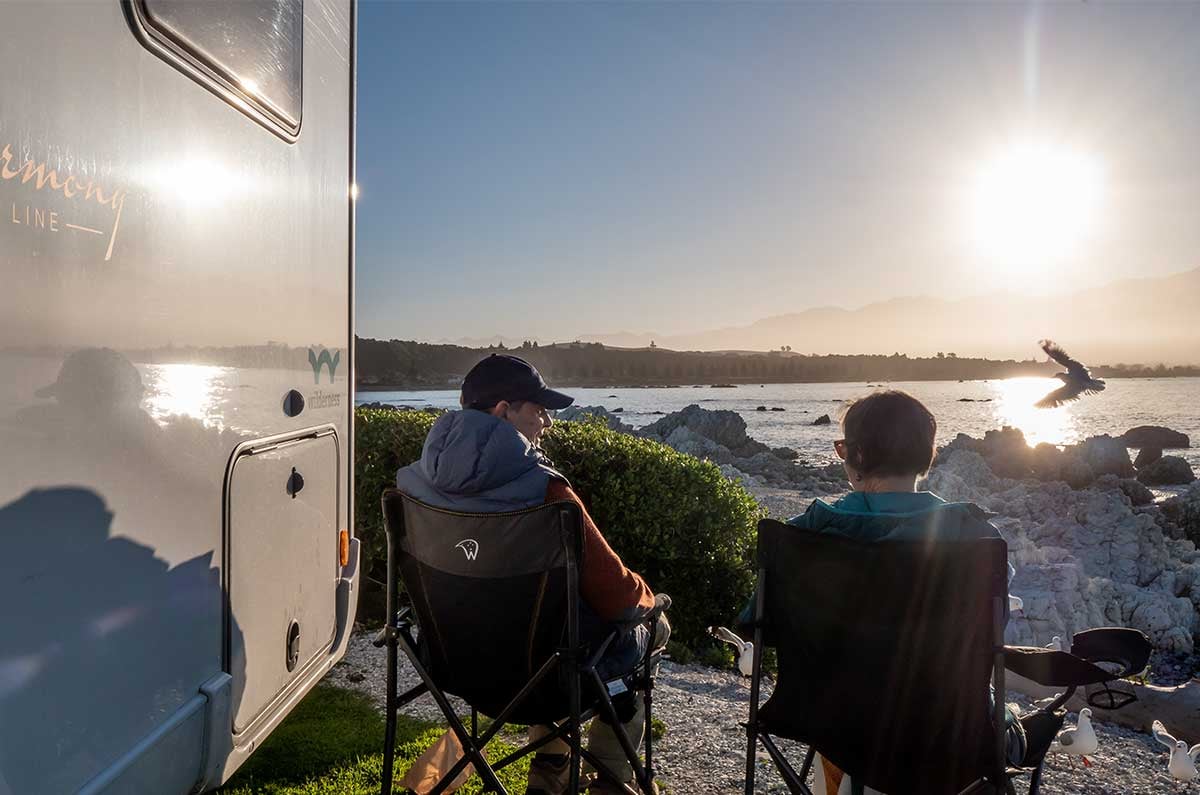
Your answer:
<point x="1143" y="321"/>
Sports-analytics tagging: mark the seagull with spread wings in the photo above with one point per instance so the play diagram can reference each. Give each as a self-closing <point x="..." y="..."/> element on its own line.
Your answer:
<point x="1077" y="381"/>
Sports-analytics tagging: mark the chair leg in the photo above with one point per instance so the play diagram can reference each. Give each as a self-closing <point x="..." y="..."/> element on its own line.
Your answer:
<point x="751" y="748"/>
<point x="648" y="705"/>
<point x="575" y="734"/>
<point x="389" y="736"/>
<point x="1035" y="780"/>
<point x="795" y="785"/>
<point x="471" y="752"/>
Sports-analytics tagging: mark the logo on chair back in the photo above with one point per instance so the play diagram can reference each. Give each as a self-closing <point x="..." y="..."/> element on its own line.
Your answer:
<point x="469" y="546"/>
<point x="323" y="360"/>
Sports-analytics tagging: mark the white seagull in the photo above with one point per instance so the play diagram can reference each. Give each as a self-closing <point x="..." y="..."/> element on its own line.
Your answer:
<point x="1055" y="644"/>
<point x="744" y="648"/>
<point x="1080" y="741"/>
<point x="1076" y="380"/>
<point x="1182" y="764"/>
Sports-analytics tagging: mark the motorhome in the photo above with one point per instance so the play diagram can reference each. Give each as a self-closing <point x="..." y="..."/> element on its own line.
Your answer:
<point x="177" y="561"/>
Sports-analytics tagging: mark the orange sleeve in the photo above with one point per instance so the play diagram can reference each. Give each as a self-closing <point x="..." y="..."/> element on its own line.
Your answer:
<point x="607" y="585"/>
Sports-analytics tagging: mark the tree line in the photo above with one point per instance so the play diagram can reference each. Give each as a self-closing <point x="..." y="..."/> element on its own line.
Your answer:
<point x="404" y="364"/>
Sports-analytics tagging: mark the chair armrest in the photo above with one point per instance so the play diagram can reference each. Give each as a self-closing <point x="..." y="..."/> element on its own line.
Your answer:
<point x="1051" y="668"/>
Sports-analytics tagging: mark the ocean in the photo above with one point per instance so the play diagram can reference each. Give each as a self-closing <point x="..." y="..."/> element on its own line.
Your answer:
<point x="971" y="407"/>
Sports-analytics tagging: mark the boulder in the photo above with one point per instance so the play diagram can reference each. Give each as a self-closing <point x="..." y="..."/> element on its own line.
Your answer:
<point x="761" y="408"/>
<point x="777" y="408"/>
<point x="1155" y="436"/>
<point x="1076" y="473"/>
<point x="1005" y="451"/>
<point x="1105" y="455"/>
<point x="822" y="420"/>
<point x="580" y="413"/>
<point x="1147" y="455"/>
<point x="1183" y="511"/>
<point x="786" y="453"/>
<point x="725" y="428"/>
<point x="1137" y="493"/>
<point x="1170" y="470"/>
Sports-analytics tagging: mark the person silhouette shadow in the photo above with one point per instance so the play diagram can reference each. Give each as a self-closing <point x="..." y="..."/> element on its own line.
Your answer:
<point x="98" y="645"/>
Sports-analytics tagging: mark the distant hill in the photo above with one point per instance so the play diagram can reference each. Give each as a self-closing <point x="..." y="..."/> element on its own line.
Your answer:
<point x="1149" y="321"/>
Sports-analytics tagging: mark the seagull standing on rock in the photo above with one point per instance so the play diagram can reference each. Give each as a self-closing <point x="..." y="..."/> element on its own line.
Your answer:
<point x="1077" y="380"/>
<point x="1080" y="741"/>
<point x="1182" y="764"/>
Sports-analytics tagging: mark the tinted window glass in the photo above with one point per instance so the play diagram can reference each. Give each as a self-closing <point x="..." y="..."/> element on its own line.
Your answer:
<point x="254" y="46"/>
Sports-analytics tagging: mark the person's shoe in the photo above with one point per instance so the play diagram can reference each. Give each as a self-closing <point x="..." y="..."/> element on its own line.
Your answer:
<point x="549" y="774"/>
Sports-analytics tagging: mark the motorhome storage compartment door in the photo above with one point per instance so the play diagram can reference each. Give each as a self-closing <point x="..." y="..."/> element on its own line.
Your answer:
<point x="282" y="546"/>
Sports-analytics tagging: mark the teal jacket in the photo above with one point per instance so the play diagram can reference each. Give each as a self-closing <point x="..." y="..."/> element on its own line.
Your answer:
<point x="897" y="516"/>
<point x="892" y="516"/>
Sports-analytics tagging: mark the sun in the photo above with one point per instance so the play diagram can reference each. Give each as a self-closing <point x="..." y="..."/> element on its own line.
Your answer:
<point x="1035" y="203"/>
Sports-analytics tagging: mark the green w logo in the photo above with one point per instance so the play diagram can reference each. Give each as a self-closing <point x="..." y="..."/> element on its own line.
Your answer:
<point x="324" y="359"/>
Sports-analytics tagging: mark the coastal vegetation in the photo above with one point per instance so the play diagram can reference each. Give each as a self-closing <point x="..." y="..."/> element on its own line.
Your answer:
<point x="402" y="364"/>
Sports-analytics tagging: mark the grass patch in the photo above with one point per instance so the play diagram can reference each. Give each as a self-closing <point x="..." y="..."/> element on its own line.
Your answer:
<point x="332" y="744"/>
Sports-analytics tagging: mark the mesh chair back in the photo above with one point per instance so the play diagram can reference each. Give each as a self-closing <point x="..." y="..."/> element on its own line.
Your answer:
<point x="491" y="595"/>
<point x="885" y="654"/>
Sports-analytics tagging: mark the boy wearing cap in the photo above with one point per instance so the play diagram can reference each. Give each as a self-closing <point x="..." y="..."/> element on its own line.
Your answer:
<point x="486" y="458"/>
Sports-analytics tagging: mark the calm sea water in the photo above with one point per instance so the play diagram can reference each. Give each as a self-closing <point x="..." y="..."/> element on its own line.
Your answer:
<point x="1126" y="403"/>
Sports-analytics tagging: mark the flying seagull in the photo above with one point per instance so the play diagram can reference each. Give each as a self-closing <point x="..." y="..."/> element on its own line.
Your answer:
<point x="1076" y="380"/>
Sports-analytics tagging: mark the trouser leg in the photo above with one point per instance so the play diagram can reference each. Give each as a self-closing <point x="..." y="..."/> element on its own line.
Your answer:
<point x="602" y="738"/>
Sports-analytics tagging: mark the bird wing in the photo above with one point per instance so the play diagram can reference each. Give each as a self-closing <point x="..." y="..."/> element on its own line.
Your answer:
<point x="1194" y="751"/>
<point x="726" y="635"/>
<point x="1067" y="738"/>
<point x="1064" y="394"/>
<point x="1160" y="733"/>
<point x="1055" y="352"/>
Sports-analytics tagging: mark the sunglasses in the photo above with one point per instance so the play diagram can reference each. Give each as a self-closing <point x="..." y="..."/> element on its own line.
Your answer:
<point x="839" y="446"/>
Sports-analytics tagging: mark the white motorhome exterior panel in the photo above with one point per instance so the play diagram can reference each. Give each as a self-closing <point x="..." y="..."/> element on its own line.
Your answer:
<point x="173" y="267"/>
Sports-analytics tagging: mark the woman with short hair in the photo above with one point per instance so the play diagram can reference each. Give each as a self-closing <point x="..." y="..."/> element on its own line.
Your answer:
<point x="887" y="443"/>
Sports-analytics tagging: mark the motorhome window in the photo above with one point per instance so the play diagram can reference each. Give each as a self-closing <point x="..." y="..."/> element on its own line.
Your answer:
<point x="253" y="49"/>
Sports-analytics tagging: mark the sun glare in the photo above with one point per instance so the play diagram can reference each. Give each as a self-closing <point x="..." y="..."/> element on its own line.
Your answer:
<point x="1014" y="406"/>
<point x="1034" y="204"/>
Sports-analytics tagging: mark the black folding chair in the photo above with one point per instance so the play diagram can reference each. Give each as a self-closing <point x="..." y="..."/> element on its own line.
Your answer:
<point x="494" y="599"/>
<point x="886" y="651"/>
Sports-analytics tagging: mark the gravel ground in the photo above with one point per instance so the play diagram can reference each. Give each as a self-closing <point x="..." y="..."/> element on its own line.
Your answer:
<point x="704" y="746"/>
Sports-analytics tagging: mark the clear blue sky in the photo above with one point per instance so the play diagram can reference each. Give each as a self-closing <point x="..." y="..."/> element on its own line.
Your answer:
<point x="554" y="170"/>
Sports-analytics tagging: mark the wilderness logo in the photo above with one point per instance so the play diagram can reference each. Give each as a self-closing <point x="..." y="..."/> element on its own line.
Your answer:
<point x="43" y="212"/>
<point x="323" y="359"/>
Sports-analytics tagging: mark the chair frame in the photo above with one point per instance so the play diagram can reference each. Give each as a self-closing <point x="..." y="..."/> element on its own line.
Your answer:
<point x="397" y="635"/>
<point x="1000" y="780"/>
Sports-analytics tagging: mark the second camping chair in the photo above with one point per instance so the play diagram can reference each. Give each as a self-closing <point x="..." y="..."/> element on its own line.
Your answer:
<point x="886" y="651"/>
<point x="494" y="618"/>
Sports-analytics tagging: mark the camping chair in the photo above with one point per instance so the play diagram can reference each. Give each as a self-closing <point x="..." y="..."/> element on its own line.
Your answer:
<point x="494" y="599"/>
<point x="886" y="651"/>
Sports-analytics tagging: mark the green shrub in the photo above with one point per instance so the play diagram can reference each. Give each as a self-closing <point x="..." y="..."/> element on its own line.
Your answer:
<point x="384" y="441"/>
<point x="671" y="517"/>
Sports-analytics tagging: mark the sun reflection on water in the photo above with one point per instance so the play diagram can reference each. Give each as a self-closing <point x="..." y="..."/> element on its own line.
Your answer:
<point x="187" y="389"/>
<point x="1014" y="405"/>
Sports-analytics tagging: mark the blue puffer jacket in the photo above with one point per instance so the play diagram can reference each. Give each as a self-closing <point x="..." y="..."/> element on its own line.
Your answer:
<point x="475" y="462"/>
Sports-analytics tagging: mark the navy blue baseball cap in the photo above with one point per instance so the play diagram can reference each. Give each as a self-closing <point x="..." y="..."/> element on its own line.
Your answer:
<point x="501" y="377"/>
